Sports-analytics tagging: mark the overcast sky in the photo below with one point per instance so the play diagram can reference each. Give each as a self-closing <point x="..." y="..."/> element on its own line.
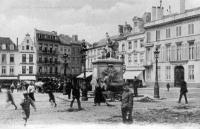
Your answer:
<point x="89" y="19"/>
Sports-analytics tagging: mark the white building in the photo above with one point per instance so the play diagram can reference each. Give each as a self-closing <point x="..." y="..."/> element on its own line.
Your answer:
<point x="178" y="38"/>
<point x="27" y="58"/>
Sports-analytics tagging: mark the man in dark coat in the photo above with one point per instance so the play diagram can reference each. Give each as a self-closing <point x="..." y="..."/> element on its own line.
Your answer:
<point x="69" y="88"/>
<point x="127" y="104"/>
<point x="183" y="91"/>
<point x="76" y="95"/>
<point x="135" y="86"/>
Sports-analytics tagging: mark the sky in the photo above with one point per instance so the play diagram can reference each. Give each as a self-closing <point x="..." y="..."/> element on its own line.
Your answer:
<point x="89" y="19"/>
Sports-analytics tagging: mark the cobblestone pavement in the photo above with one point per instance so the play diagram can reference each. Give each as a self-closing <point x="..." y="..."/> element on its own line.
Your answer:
<point x="165" y="110"/>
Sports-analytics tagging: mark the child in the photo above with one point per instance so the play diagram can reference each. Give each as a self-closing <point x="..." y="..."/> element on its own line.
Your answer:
<point x="10" y="98"/>
<point x="26" y="106"/>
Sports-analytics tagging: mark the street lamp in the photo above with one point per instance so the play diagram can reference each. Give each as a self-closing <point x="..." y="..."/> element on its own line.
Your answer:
<point x="84" y="86"/>
<point x="156" y="86"/>
<point x="65" y="56"/>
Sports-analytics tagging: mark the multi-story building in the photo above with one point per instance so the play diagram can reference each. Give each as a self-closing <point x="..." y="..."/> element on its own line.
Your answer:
<point x="8" y="61"/>
<point x="177" y="37"/>
<point x="27" y="56"/>
<point x="47" y="45"/>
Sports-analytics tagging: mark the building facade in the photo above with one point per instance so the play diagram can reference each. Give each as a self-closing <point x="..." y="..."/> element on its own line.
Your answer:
<point x="8" y="62"/>
<point x="177" y="37"/>
<point x="27" y="56"/>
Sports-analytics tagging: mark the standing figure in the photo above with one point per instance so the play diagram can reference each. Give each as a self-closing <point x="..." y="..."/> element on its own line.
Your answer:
<point x="68" y="88"/>
<point x="76" y="95"/>
<point x="18" y="86"/>
<point x="31" y="90"/>
<point x="168" y="86"/>
<point x="51" y="97"/>
<point x="98" y="93"/>
<point x="12" y="87"/>
<point x="10" y="99"/>
<point x="183" y="91"/>
<point x="127" y="104"/>
<point x="26" y="106"/>
<point x="135" y="86"/>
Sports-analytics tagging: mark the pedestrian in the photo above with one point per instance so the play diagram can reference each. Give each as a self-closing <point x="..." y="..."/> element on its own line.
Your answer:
<point x="76" y="95"/>
<point x="183" y="92"/>
<point x="98" y="93"/>
<point x="135" y="86"/>
<point x="10" y="99"/>
<point x="18" y="86"/>
<point x="127" y="104"/>
<point x="31" y="91"/>
<point x="25" y="104"/>
<point x="69" y="88"/>
<point x="168" y="86"/>
<point x="51" y="97"/>
<point x="12" y="87"/>
<point x="0" y="88"/>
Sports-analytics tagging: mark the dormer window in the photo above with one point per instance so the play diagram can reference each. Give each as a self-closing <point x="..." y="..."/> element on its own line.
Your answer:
<point x="11" y="47"/>
<point x="3" y="46"/>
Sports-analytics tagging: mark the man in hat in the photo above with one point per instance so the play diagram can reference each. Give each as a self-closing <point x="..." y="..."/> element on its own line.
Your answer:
<point x="26" y="102"/>
<point x="31" y="91"/>
<point x="127" y="104"/>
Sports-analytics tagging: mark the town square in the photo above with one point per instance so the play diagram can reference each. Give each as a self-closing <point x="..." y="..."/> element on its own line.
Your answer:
<point x="118" y="64"/>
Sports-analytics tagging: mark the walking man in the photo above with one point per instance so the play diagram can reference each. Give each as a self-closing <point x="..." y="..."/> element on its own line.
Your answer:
<point x="183" y="92"/>
<point x="10" y="99"/>
<point x="127" y="104"/>
<point x="51" y="97"/>
<point x="31" y="90"/>
<point x="135" y="86"/>
<point x="76" y="95"/>
<point x="26" y="106"/>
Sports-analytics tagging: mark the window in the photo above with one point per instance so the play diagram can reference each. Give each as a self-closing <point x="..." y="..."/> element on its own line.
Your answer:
<point x="56" y="69"/>
<point x="23" y="69"/>
<point x="148" y="37"/>
<point x="30" y="58"/>
<point x="23" y="58"/>
<point x="168" y="72"/>
<point x="168" y="51"/>
<point x="50" y="70"/>
<point x="190" y="29"/>
<point x="31" y="48"/>
<point x="12" y="58"/>
<point x="129" y="45"/>
<point x="178" y="51"/>
<point x="135" y="58"/>
<point x="3" y="58"/>
<point x="141" y="43"/>
<point x="123" y="47"/>
<point x="61" y="49"/>
<point x="191" y="72"/>
<point x="22" y="47"/>
<point x="191" y="50"/>
<point x="159" y="74"/>
<point x="141" y="58"/>
<point x="11" y="70"/>
<point x="135" y="44"/>
<point x="56" y="60"/>
<point x="11" y="47"/>
<point x="27" y="47"/>
<point x="40" y="69"/>
<point x="3" y="46"/>
<point x="168" y="33"/>
<point x="40" y="47"/>
<point x="40" y="59"/>
<point x="129" y="59"/>
<point x="157" y="35"/>
<point x="30" y="69"/>
<point x="135" y="24"/>
<point x="3" y="70"/>
<point x="178" y="31"/>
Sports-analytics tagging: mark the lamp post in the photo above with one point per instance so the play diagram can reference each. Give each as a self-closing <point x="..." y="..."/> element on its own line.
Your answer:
<point x="65" y="56"/>
<point x="84" y="86"/>
<point x="156" y="86"/>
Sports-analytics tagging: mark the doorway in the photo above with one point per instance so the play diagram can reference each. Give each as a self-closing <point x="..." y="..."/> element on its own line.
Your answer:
<point x="178" y="75"/>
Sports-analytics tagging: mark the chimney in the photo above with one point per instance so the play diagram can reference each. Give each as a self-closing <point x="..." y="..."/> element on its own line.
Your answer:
<point x="75" y="37"/>
<point x="182" y="6"/>
<point x="17" y="42"/>
<point x="153" y="13"/>
<point x="159" y="12"/>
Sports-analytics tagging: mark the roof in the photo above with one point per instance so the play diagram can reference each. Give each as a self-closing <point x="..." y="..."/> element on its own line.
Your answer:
<point x="8" y="42"/>
<point x="46" y="32"/>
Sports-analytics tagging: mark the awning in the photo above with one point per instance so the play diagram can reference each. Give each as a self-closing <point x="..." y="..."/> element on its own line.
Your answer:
<point x="27" y="78"/>
<point x="82" y="75"/>
<point x="8" y="78"/>
<point x="131" y="74"/>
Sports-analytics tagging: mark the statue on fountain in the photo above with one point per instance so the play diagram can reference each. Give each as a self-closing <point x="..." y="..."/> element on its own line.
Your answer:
<point x="110" y="49"/>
